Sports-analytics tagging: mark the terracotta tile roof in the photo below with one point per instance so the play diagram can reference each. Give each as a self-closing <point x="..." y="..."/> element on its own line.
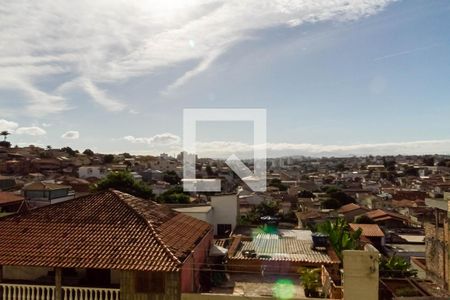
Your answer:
<point x="404" y="203"/>
<point x="381" y="215"/>
<point x="350" y="207"/>
<point x="369" y="230"/>
<point x="312" y="214"/>
<point x="107" y="230"/>
<point x="10" y="198"/>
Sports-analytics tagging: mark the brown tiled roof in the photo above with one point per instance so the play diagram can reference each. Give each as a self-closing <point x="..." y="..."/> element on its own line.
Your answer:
<point x="107" y="230"/>
<point x="404" y="203"/>
<point x="380" y="215"/>
<point x="350" y="207"/>
<point x="10" y="198"/>
<point x="370" y="230"/>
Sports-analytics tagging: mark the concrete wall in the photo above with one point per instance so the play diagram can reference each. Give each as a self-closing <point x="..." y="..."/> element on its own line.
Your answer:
<point x="24" y="273"/>
<point x="225" y="210"/>
<point x="437" y="254"/>
<point x="361" y="274"/>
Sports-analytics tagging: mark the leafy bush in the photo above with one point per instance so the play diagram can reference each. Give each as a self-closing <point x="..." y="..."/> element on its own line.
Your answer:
<point x="124" y="182"/>
<point x="396" y="267"/>
<point x="339" y="235"/>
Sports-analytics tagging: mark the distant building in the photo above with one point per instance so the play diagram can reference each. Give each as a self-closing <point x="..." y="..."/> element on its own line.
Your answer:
<point x="108" y="246"/>
<point x="222" y="213"/>
<point x="7" y="183"/>
<point x="98" y="172"/>
<point x="372" y="232"/>
<point x="351" y="211"/>
<point x="163" y="164"/>
<point x="44" y="193"/>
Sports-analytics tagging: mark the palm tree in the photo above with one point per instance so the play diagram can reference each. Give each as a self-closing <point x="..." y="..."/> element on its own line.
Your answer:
<point x="339" y="235"/>
<point x="5" y="134"/>
<point x="310" y="280"/>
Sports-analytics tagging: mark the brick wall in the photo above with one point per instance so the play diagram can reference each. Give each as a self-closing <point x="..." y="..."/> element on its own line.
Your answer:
<point x="436" y="253"/>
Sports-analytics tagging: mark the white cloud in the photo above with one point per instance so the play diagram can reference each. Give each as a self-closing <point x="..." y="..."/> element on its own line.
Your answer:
<point x="71" y="135"/>
<point x="223" y="149"/>
<point x="34" y="131"/>
<point x="163" y="139"/>
<point x="109" y="42"/>
<point x="7" y="125"/>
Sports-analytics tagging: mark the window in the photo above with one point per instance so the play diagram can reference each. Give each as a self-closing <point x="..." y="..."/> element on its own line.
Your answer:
<point x="150" y="282"/>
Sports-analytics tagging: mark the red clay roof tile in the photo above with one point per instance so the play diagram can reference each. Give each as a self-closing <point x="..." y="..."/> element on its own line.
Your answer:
<point x="110" y="230"/>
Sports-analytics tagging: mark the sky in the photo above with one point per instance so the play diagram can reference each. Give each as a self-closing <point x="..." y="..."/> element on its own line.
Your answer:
<point x="335" y="77"/>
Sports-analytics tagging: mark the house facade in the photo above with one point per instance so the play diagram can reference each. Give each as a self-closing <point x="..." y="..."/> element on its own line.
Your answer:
<point x="108" y="245"/>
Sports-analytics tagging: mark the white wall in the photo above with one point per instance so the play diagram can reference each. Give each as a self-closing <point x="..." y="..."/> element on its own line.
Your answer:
<point x="203" y="216"/>
<point x="92" y="171"/>
<point x="225" y="210"/>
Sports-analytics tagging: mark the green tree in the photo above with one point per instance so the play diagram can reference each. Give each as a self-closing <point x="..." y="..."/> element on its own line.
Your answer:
<point x="124" y="182"/>
<point x="339" y="235"/>
<point x="172" y="178"/>
<point x="69" y="151"/>
<point x="329" y="189"/>
<point x="310" y="280"/>
<point x="278" y="184"/>
<point x="5" y="134"/>
<point x="390" y="165"/>
<point x="364" y="220"/>
<point x="342" y="197"/>
<point x="411" y="171"/>
<point x="397" y="267"/>
<point x="88" y="152"/>
<point x="267" y="208"/>
<point x="174" y="195"/>
<point x="108" y="158"/>
<point x="5" y="143"/>
<point x="331" y="203"/>
<point x="443" y="163"/>
<point x="428" y="161"/>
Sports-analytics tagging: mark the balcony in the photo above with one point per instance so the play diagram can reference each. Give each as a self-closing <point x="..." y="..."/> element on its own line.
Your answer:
<point x="11" y="291"/>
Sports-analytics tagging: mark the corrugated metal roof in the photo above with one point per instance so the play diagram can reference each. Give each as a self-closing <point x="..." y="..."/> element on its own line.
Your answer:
<point x="283" y="249"/>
